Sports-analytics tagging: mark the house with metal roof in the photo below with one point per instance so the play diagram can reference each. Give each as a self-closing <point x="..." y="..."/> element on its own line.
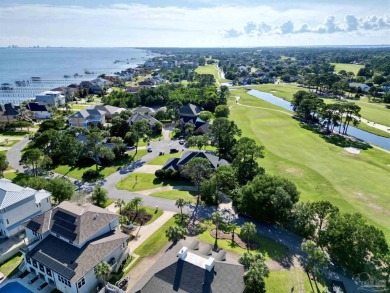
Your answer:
<point x="65" y="244"/>
<point x="87" y="118"/>
<point x="18" y="204"/>
<point x="9" y="112"/>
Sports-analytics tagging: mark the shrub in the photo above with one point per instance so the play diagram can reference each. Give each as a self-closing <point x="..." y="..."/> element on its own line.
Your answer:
<point x="91" y="175"/>
<point x="160" y="174"/>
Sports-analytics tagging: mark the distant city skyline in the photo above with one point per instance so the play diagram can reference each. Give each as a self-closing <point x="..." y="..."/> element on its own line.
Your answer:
<point x="239" y="23"/>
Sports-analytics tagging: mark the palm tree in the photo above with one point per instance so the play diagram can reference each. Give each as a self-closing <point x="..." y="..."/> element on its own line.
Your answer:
<point x="248" y="230"/>
<point x="175" y="233"/>
<point x="102" y="271"/>
<point x="217" y="219"/>
<point x="180" y="203"/>
<point x="233" y="227"/>
<point x="119" y="203"/>
<point x="136" y="202"/>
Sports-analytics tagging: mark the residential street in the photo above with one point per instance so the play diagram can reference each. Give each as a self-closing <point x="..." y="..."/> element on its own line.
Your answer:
<point x="278" y="234"/>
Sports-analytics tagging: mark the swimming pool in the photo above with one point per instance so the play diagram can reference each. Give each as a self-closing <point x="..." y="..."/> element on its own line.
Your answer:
<point x="14" y="287"/>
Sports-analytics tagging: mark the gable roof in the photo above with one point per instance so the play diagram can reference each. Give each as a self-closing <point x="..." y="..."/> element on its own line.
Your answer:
<point x="9" y="109"/>
<point x="37" y="107"/>
<point x="190" y="109"/>
<point x="85" y="113"/>
<point x="12" y="194"/>
<point x="143" y="110"/>
<point x="139" y="117"/>
<point x="107" y="108"/>
<point x="72" y="222"/>
<point x="72" y="262"/>
<point x="188" y="155"/>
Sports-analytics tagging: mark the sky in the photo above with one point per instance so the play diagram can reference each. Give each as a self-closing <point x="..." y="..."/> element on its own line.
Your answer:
<point x="195" y="23"/>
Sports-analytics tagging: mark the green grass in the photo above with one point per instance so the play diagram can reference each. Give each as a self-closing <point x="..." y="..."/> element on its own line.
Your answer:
<point x="376" y="112"/>
<point x="189" y="196"/>
<point x="347" y="67"/>
<point x="151" y="138"/>
<point x="142" y="181"/>
<point x="284" y="91"/>
<point x="320" y="169"/>
<point x="283" y="281"/>
<point x="14" y="133"/>
<point x="160" y="160"/>
<point x="108" y="202"/>
<point x="155" y="214"/>
<point x="77" y="172"/>
<point x="210" y="69"/>
<point x="269" y="248"/>
<point x="155" y="242"/>
<point x="365" y="127"/>
<point x="9" y="144"/>
<point x="14" y="175"/>
<point x="10" y="267"/>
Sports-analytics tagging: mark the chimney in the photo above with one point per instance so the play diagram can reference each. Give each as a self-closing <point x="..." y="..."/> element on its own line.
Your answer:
<point x="182" y="254"/>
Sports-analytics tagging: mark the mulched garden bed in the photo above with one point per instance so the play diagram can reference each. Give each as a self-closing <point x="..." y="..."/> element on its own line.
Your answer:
<point x="237" y="239"/>
<point x="140" y="218"/>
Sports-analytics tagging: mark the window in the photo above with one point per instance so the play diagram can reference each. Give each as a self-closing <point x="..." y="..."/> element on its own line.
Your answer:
<point x="48" y="271"/>
<point x="35" y="264"/>
<point x="81" y="283"/>
<point x="64" y="280"/>
<point x="28" y="260"/>
<point x="123" y="245"/>
<point x="47" y="199"/>
<point x="7" y="221"/>
<point x="41" y="267"/>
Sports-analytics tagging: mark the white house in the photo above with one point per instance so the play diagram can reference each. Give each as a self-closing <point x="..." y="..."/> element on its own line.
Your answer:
<point x="65" y="244"/>
<point x="55" y="98"/>
<point x="364" y="87"/>
<point x="18" y="204"/>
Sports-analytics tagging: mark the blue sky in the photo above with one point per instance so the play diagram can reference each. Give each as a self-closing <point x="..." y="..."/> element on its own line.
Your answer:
<point x="199" y="23"/>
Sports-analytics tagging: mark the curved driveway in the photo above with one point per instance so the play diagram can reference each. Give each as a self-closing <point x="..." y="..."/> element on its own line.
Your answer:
<point x="14" y="154"/>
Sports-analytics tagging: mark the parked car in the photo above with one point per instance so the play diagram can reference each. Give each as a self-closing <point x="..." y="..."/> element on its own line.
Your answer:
<point x="150" y="150"/>
<point x="174" y="151"/>
<point x="129" y="148"/>
<point x="161" y="153"/>
<point x="181" y="141"/>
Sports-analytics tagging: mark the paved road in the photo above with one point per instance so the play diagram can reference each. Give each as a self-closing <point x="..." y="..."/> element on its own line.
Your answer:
<point x="280" y="235"/>
<point x="14" y="154"/>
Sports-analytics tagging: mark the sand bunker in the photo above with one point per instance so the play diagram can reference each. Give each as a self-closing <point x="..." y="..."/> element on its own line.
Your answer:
<point x="352" y="150"/>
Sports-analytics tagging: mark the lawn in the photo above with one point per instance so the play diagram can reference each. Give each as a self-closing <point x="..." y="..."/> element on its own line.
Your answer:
<point x="189" y="196"/>
<point x="156" y="241"/>
<point x="320" y="169"/>
<point x="10" y="143"/>
<point x="155" y="214"/>
<point x="77" y="172"/>
<point x="10" y="267"/>
<point x="160" y="160"/>
<point x="283" y="281"/>
<point x="269" y="248"/>
<point x="210" y="69"/>
<point x="347" y="67"/>
<point x="142" y="181"/>
<point x="109" y="201"/>
<point x="376" y="112"/>
<point x="153" y="137"/>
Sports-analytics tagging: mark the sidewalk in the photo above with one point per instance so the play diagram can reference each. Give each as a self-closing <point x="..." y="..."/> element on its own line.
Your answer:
<point x="146" y="231"/>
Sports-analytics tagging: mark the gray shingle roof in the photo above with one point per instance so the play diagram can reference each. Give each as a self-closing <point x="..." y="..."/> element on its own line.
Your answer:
<point x="190" y="109"/>
<point x="72" y="222"/>
<point x="139" y="117"/>
<point x="109" y="109"/>
<point x="11" y="194"/>
<point x="85" y="113"/>
<point x="184" y="277"/>
<point x="72" y="262"/>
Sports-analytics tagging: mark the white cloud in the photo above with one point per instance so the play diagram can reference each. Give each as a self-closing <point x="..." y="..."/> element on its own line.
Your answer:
<point x="142" y="25"/>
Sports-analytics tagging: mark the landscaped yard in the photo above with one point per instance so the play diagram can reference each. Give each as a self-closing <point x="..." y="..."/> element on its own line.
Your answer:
<point x="9" y="267"/>
<point x="269" y="248"/>
<point x="8" y="143"/>
<point x="347" y="67"/>
<point x="160" y="160"/>
<point x="156" y="241"/>
<point x="189" y="196"/>
<point x="285" y="280"/>
<point x="321" y="170"/>
<point x="142" y="181"/>
<point x="281" y="90"/>
<point x="77" y="172"/>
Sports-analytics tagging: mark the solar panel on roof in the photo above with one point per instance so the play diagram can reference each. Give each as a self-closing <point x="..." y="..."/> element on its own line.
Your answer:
<point x="63" y="232"/>
<point x="66" y="225"/>
<point x="64" y="216"/>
